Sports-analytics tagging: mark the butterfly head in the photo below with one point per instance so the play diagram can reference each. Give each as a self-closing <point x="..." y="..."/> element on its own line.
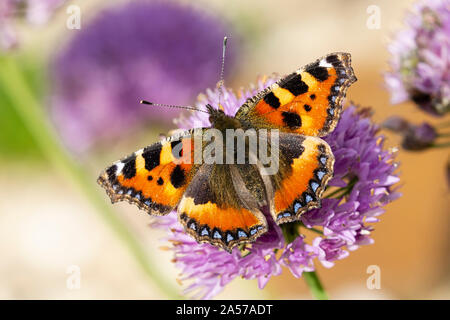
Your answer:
<point x="220" y="120"/>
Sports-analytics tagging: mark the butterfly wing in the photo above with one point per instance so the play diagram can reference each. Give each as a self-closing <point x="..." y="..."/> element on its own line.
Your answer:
<point x="153" y="178"/>
<point x="218" y="208"/>
<point x="308" y="101"/>
<point x="305" y="166"/>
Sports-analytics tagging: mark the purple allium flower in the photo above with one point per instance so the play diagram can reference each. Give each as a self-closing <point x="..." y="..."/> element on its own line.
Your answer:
<point x="363" y="169"/>
<point x="35" y="12"/>
<point x="420" y="58"/>
<point x="415" y="137"/>
<point x="161" y="51"/>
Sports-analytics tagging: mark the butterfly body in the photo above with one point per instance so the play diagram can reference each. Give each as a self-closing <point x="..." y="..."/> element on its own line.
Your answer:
<point x="222" y="203"/>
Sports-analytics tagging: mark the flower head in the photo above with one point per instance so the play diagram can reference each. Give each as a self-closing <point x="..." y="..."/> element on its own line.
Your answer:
<point x="162" y="51"/>
<point x="420" y="59"/>
<point x="364" y="174"/>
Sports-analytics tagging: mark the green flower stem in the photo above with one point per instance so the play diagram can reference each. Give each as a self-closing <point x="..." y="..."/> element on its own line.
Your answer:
<point x="344" y="190"/>
<point x="440" y="145"/>
<point x="315" y="286"/>
<point x="312" y="229"/>
<point x="13" y="83"/>
<point x="290" y="233"/>
<point x="443" y="134"/>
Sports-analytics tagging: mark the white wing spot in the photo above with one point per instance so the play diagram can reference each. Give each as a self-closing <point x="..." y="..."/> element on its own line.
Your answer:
<point x="120" y="166"/>
<point x="324" y="63"/>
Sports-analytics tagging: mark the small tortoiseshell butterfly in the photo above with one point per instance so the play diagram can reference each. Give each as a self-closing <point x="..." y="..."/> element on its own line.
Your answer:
<point x="221" y="203"/>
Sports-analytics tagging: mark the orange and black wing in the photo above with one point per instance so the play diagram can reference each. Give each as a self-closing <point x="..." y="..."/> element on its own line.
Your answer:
<point x="153" y="178"/>
<point x="308" y="101"/>
<point x="305" y="166"/>
<point x="218" y="208"/>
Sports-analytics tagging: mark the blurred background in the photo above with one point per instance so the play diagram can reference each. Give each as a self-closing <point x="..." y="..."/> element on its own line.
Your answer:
<point x="89" y="74"/>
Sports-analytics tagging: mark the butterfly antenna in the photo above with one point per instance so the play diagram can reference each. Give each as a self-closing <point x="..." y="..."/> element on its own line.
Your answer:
<point x="222" y="70"/>
<point x="171" y="106"/>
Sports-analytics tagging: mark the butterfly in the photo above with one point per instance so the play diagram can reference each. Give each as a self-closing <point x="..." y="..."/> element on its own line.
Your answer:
<point x="223" y="204"/>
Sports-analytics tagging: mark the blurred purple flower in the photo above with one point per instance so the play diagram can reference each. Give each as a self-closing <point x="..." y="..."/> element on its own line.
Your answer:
<point x="363" y="170"/>
<point x="420" y="58"/>
<point x="419" y="137"/>
<point x="34" y="11"/>
<point x="415" y="137"/>
<point x="161" y="51"/>
<point x="396" y="124"/>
